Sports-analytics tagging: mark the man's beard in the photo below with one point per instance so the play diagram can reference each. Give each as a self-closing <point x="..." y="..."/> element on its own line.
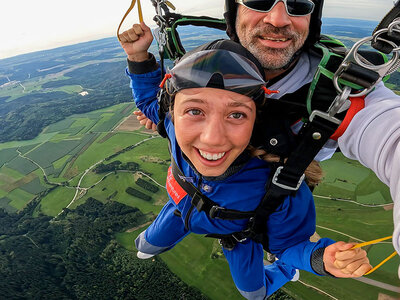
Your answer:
<point x="273" y="58"/>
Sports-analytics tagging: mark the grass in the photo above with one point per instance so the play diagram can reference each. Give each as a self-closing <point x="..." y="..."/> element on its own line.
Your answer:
<point x="60" y="126"/>
<point x="54" y="202"/>
<point x="41" y="138"/>
<point x="99" y="151"/>
<point x="119" y="182"/>
<point x="50" y="152"/>
<point x="372" y="199"/>
<point x="61" y="162"/>
<point x="11" y="173"/>
<point x="33" y="187"/>
<point x="19" y="198"/>
<point x="7" y="155"/>
<point x="190" y="260"/>
<point x="339" y="288"/>
<point x="22" y="165"/>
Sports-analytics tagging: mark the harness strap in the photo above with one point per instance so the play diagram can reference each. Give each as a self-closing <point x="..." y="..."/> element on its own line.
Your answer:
<point x="203" y="203"/>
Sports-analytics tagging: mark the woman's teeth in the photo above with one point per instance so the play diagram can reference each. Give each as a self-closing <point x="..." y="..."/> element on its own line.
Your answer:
<point x="209" y="156"/>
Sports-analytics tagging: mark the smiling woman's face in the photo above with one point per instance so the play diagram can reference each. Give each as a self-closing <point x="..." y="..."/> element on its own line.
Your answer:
<point x="213" y="127"/>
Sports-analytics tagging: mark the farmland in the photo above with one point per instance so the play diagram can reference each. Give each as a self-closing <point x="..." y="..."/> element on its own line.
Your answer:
<point x="52" y="176"/>
<point x="53" y="167"/>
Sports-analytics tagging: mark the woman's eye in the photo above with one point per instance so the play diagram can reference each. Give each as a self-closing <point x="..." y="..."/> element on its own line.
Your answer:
<point x="237" y="115"/>
<point x="194" y="112"/>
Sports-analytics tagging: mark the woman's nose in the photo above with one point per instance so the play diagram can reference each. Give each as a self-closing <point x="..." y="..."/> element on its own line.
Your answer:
<point x="214" y="132"/>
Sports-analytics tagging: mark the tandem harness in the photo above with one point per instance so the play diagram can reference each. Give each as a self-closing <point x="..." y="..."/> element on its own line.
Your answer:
<point x="336" y="80"/>
<point x="342" y="77"/>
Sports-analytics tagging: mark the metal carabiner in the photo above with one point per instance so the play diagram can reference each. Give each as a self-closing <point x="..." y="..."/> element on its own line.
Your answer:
<point x="354" y="57"/>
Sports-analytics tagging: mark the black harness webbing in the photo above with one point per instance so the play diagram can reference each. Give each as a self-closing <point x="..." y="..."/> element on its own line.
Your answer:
<point x="203" y="203"/>
<point x="284" y="182"/>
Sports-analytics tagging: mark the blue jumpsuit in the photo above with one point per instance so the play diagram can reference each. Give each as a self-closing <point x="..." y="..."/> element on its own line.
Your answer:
<point x="289" y="227"/>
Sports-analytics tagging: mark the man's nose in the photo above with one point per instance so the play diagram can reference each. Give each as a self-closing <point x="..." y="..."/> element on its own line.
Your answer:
<point x="277" y="16"/>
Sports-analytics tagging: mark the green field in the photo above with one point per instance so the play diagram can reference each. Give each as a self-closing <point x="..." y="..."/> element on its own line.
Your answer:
<point x="68" y="148"/>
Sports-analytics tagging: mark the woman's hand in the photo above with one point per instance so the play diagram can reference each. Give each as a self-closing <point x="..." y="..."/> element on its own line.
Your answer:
<point x="136" y="41"/>
<point x="143" y="120"/>
<point x="342" y="261"/>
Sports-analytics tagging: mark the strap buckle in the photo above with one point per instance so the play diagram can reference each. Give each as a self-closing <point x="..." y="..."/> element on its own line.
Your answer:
<point x="335" y="107"/>
<point x="215" y="210"/>
<point x="284" y="186"/>
<point x="239" y="240"/>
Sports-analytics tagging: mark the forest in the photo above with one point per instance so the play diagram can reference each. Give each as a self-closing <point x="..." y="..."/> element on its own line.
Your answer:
<point x="25" y="117"/>
<point x="75" y="256"/>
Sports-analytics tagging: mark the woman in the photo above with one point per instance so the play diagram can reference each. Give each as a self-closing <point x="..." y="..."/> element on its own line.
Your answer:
<point x="210" y="125"/>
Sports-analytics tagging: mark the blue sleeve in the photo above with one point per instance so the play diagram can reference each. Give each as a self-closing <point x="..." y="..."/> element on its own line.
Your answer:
<point x="144" y="89"/>
<point x="290" y="228"/>
<point x="299" y="256"/>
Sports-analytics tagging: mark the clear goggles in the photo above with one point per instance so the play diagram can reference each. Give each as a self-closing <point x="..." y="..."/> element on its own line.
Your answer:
<point x="218" y="69"/>
<point x="294" y="8"/>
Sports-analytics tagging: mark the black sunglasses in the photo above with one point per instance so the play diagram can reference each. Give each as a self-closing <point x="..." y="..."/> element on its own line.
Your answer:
<point x="294" y="8"/>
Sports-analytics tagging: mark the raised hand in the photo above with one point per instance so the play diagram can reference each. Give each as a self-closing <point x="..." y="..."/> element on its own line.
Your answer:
<point x="136" y="42"/>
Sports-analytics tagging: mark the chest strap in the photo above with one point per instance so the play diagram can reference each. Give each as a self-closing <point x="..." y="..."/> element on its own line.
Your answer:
<point x="203" y="203"/>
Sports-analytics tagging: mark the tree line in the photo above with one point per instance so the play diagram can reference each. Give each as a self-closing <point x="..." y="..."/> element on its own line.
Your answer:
<point x="75" y="256"/>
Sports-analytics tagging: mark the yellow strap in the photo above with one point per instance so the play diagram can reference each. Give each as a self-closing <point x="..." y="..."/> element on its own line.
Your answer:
<point x="371" y="242"/>
<point x="170" y="5"/>
<point x="385" y="260"/>
<point x="127" y="13"/>
<point x="374" y="242"/>
<point x="139" y="7"/>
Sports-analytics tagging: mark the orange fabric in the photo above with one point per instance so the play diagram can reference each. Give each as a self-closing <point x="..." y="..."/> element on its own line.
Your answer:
<point x="357" y="104"/>
<point x="176" y="192"/>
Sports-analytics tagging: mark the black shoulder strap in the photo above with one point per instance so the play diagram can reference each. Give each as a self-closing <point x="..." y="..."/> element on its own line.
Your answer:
<point x="203" y="203"/>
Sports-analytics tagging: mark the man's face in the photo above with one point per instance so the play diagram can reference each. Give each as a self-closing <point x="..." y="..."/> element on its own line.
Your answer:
<point x="272" y="37"/>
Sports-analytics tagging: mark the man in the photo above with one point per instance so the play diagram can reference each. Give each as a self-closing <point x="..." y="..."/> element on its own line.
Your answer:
<point x="281" y="42"/>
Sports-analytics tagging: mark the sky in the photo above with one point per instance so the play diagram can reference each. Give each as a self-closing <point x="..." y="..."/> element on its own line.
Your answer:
<point x="32" y="25"/>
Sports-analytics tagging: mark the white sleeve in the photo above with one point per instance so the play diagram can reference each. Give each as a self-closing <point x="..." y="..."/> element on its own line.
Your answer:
<point x="373" y="138"/>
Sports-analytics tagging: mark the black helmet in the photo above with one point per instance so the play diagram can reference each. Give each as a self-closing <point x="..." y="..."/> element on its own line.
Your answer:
<point x="222" y="64"/>
<point x="315" y="23"/>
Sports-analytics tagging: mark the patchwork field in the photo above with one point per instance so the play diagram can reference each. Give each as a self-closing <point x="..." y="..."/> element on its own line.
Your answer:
<point x="59" y="166"/>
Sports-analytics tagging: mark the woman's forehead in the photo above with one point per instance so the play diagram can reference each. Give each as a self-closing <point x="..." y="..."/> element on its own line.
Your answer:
<point x="211" y="95"/>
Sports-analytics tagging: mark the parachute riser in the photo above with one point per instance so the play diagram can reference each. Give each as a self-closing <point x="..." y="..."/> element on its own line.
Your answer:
<point x="353" y="58"/>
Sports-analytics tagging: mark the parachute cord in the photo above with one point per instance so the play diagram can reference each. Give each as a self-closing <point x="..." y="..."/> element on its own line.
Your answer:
<point x="372" y="243"/>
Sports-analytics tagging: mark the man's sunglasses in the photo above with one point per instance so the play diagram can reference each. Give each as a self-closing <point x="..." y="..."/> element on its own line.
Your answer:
<point x="294" y="8"/>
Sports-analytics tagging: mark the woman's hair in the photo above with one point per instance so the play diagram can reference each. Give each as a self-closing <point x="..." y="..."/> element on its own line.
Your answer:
<point x="314" y="173"/>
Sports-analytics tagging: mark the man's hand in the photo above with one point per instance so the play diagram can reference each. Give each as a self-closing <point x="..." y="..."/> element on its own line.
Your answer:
<point x="143" y="120"/>
<point x="342" y="261"/>
<point x="136" y="41"/>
